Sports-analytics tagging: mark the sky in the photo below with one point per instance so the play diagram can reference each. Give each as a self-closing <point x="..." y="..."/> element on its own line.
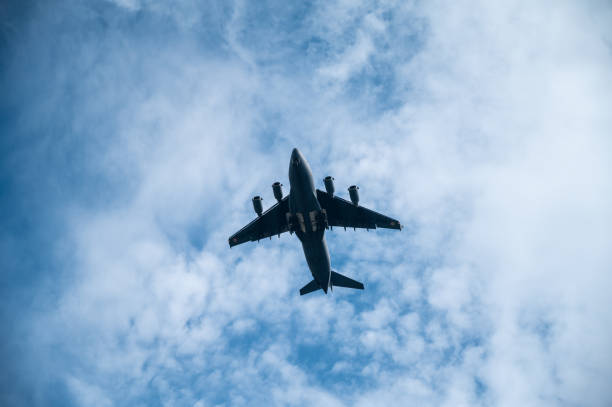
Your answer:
<point x="135" y="132"/>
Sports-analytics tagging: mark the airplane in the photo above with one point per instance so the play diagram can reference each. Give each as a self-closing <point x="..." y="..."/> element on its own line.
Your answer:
<point x="309" y="212"/>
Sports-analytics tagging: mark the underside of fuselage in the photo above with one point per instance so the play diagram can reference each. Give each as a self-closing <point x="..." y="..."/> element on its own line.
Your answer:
<point x="308" y="220"/>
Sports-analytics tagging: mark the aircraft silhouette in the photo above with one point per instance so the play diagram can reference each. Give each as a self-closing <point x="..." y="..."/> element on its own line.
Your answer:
<point x="308" y="212"/>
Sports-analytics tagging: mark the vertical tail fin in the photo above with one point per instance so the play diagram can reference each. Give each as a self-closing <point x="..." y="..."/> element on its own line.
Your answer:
<point x="339" y="280"/>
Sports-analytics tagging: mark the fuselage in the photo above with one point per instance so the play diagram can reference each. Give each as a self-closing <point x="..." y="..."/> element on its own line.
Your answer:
<point x="308" y="218"/>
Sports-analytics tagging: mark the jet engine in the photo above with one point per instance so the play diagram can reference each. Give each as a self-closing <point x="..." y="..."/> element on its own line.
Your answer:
<point x="277" y="188"/>
<point x="354" y="194"/>
<point x="329" y="185"/>
<point x="257" y="205"/>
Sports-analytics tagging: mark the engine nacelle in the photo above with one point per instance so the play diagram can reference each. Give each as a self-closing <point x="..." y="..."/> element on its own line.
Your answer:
<point x="329" y="185"/>
<point x="257" y="206"/>
<point x="277" y="188"/>
<point x="354" y="194"/>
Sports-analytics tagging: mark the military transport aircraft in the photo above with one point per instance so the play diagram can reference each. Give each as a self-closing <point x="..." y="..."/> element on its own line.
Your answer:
<point x="308" y="212"/>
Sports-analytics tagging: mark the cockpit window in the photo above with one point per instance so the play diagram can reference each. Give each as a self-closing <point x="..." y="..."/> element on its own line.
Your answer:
<point x="296" y="162"/>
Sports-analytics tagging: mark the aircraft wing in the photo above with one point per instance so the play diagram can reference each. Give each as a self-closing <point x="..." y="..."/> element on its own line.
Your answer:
<point x="271" y="222"/>
<point x="341" y="212"/>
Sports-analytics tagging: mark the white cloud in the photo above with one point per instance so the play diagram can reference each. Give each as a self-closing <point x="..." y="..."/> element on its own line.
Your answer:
<point x="129" y="4"/>
<point x="88" y="394"/>
<point x="352" y="61"/>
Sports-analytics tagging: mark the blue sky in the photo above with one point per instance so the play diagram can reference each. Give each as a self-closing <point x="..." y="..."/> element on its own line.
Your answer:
<point x="135" y="132"/>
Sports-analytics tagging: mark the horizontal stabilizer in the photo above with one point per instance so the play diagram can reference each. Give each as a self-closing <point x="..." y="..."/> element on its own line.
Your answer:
<point x="338" y="280"/>
<point x="310" y="287"/>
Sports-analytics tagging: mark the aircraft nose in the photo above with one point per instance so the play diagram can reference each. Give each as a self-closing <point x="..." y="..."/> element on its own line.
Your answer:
<point x="295" y="157"/>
